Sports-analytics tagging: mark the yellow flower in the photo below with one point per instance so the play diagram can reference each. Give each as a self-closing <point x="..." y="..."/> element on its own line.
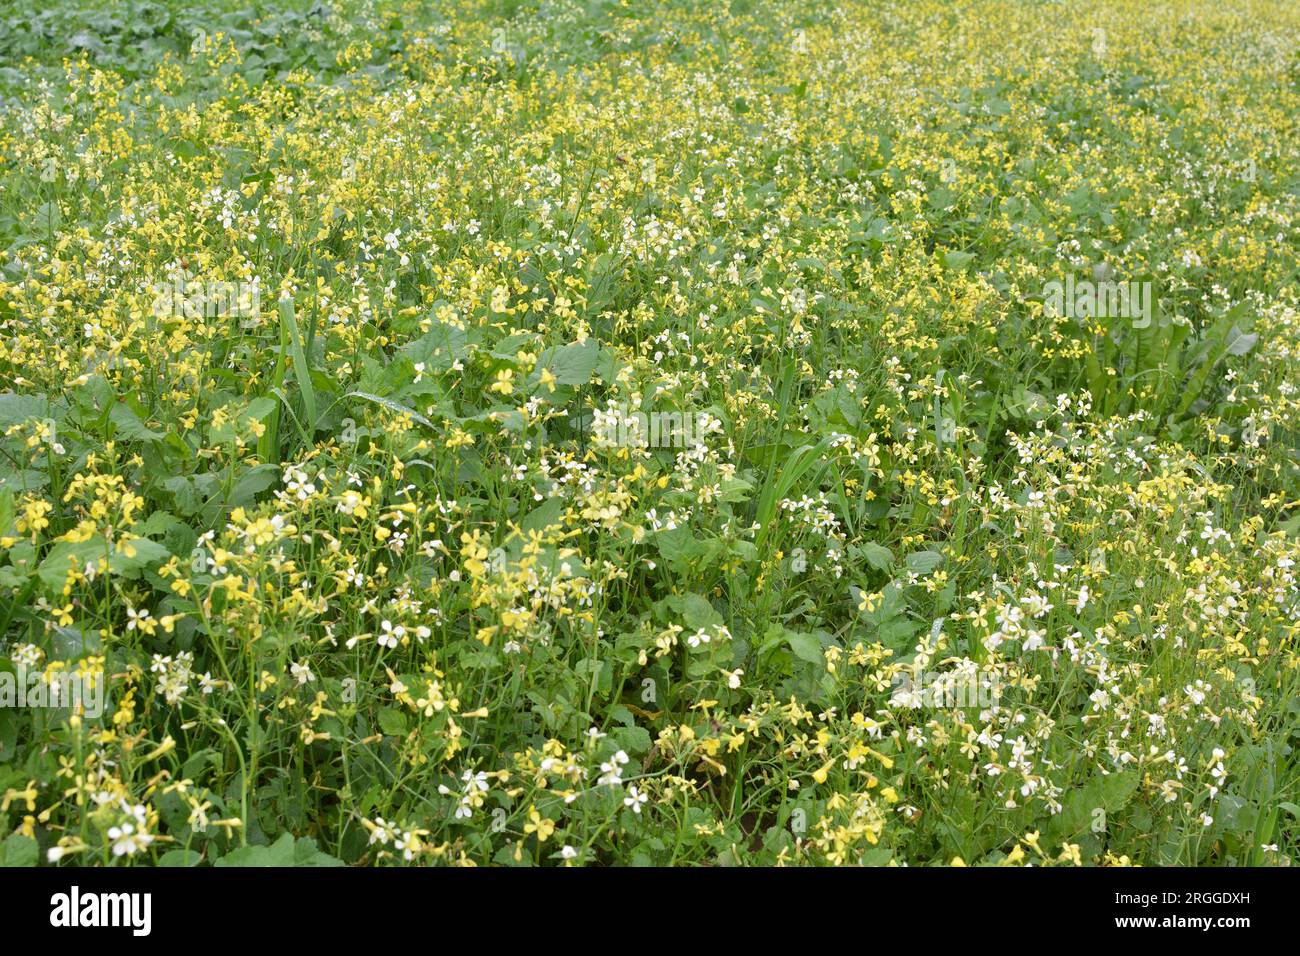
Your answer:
<point x="539" y="824"/>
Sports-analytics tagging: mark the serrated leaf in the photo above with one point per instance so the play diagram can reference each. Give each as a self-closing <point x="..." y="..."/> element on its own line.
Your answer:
<point x="392" y="722"/>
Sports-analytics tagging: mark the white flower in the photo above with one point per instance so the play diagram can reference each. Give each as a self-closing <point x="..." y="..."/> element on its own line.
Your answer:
<point x="382" y="831"/>
<point x="409" y="844"/>
<point x="611" y="771"/>
<point x="126" y="841"/>
<point x="302" y="673"/>
<point x="634" y="799"/>
<point x="390" y="634"/>
<point x="699" y="637"/>
<point x="1082" y="601"/>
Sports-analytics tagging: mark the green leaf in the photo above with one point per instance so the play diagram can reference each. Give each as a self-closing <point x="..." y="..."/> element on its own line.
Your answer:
<point x="1105" y="792"/>
<point x="16" y="409"/>
<point x="439" y="349"/>
<point x="572" y="364"/>
<point x="957" y="261"/>
<point x="923" y="562"/>
<point x="634" y="740"/>
<point x="180" y="858"/>
<point x="283" y="852"/>
<point x="392" y="722"/>
<point x="779" y="485"/>
<point x="301" y="370"/>
<point x="392" y="406"/>
<point x="695" y="610"/>
<point x="805" y="647"/>
<point x="125" y="558"/>
<point x="130" y="426"/>
<point x="47" y="219"/>
<point x="1239" y="342"/>
<point x="7" y="510"/>
<point x="544" y="516"/>
<point x="878" y="556"/>
<point x="74" y="642"/>
<point x="252" y="483"/>
<point x="306" y="853"/>
<point x="18" y="850"/>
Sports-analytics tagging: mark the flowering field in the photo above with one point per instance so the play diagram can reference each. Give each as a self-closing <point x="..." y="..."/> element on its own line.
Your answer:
<point x="617" y="432"/>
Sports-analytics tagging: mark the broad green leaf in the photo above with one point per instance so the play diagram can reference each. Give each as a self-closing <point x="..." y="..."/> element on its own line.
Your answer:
<point x="806" y="647"/>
